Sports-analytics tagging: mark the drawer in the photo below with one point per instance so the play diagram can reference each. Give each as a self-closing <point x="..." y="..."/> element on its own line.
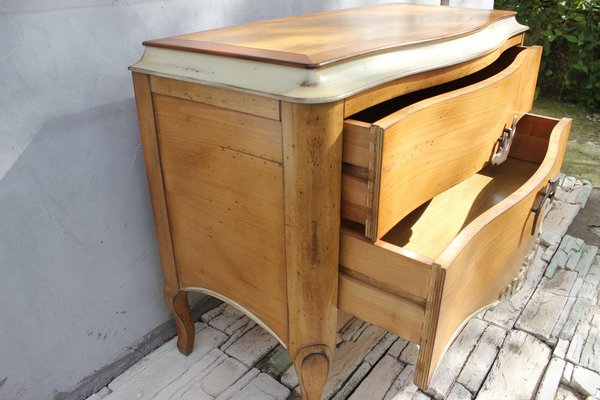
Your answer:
<point x="399" y="154"/>
<point x="456" y="253"/>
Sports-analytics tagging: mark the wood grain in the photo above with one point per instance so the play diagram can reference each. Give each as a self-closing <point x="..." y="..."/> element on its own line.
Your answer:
<point x="424" y="80"/>
<point x="176" y="300"/>
<point x="393" y="269"/>
<point x="432" y="144"/>
<point x="312" y="146"/>
<point x="386" y="310"/>
<point x="227" y="99"/>
<point x="356" y="198"/>
<point x="228" y="130"/>
<point x="432" y="227"/>
<point x="299" y="41"/>
<point x="487" y="254"/>
<point x="145" y="109"/>
<point x="224" y="182"/>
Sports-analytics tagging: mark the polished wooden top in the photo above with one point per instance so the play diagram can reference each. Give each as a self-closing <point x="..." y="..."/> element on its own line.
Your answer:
<point x="315" y="40"/>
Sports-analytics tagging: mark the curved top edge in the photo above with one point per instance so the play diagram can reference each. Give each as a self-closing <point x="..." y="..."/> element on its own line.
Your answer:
<point x="326" y="84"/>
<point x="300" y="42"/>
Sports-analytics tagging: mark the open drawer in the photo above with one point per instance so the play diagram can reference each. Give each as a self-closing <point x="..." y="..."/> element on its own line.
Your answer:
<point x="399" y="154"/>
<point x="458" y="252"/>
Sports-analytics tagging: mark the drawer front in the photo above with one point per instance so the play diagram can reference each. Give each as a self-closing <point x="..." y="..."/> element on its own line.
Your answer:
<point x="459" y="252"/>
<point x="405" y="158"/>
<point x="488" y="253"/>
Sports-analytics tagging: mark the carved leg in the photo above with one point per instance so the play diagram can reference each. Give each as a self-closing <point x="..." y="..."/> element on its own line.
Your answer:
<point x="312" y="365"/>
<point x="182" y="314"/>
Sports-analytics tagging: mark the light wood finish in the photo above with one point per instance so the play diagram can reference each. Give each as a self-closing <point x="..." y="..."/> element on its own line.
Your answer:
<point x="228" y="130"/>
<point x="456" y="253"/>
<point x="415" y="82"/>
<point x="433" y="143"/>
<point x="176" y="300"/>
<point x="242" y="102"/>
<point x="251" y="166"/>
<point x="387" y="266"/>
<point x="356" y="197"/>
<point x="312" y="149"/>
<point x="178" y="303"/>
<point x="381" y="308"/>
<point x="531" y="142"/>
<point x="487" y="254"/>
<point x="300" y="41"/>
<point x="432" y="227"/>
<point x="224" y="182"/>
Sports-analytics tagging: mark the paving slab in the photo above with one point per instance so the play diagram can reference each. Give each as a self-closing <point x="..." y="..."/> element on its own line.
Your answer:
<point x="585" y="381"/>
<point x="239" y="385"/>
<point x="455" y="358"/>
<point x="578" y="340"/>
<point x="481" y="359"/>
<point x="566" y="393"/>
<point x="375" y="354"/>
<point x="252" y="346"/>
<point x="263" y="387"/>
<point x="188" y="384"/>
<point x="459" y="392"/>
<point x="166" y="368"/>
<point x="567" y="373"/>
<point x="379" y="380"/>
<point x="397" y="348"/>
<point x="222" y="377"/>
<point x="518" y="369"/>
<point x="551" y="379"/>
<point x="506" y="313"/>
<point x="403" y="387"/>
<point x="590" y="354"/>
<point x="348" y="356"/>
<point x="353" y="382"/>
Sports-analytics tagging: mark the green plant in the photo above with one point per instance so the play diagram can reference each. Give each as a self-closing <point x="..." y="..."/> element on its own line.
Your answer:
<point x="569" y="31"/>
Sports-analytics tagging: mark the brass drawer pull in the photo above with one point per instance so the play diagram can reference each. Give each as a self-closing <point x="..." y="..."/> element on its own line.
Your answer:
<point x="547" y="194"/>
<point x="505" y="142"/>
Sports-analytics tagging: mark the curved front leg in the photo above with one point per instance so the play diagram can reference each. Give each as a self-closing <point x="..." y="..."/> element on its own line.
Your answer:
<point x="178" y="303"/>
<point x="312" y="149"/>
<point x="312" y="365"/>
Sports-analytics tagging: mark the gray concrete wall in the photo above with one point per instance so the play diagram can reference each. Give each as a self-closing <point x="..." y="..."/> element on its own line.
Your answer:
<point x="80" y="276"/>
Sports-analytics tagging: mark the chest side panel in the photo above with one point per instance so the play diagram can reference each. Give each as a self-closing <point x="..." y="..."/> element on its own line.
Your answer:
<point x="224" y="185"/>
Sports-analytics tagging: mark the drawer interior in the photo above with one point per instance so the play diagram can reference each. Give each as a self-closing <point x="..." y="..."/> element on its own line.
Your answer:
<point x="431" y="228"/>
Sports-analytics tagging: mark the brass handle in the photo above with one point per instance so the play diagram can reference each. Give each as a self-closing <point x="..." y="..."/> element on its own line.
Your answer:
<point x="547" y="194"/>
<point x="505" y="142"/>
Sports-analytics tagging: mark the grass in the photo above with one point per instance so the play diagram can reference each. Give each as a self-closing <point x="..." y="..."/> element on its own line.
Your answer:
<point x="582" y="158"/>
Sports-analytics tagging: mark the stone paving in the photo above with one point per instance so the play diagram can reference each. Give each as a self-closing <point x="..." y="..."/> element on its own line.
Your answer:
<point x="543" y="343"/>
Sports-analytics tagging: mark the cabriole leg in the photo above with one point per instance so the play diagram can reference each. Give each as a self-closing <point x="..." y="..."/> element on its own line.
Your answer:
<point x="178" y="303"/>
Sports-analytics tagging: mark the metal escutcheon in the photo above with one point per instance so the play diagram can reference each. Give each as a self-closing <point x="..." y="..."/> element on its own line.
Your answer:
<point x="505" y="142"/>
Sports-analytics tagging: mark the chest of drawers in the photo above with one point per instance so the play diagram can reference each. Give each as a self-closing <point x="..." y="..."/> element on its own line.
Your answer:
<point x="377" y="160"/>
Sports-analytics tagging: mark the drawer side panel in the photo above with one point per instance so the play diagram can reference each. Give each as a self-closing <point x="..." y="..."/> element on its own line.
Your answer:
<point x="381" y="308"/>
<point x="408" y="277"/>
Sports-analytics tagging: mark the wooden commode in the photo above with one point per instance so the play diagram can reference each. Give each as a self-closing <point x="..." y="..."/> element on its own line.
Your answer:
<point x="375" y="160"/>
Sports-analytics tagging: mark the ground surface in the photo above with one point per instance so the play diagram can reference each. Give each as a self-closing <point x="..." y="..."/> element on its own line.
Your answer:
<point x="583" y="152"/>
<point x="543" y="343"/>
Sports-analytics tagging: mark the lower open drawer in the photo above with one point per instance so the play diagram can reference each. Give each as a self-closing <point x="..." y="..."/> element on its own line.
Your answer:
<point x="458" y="252"/>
